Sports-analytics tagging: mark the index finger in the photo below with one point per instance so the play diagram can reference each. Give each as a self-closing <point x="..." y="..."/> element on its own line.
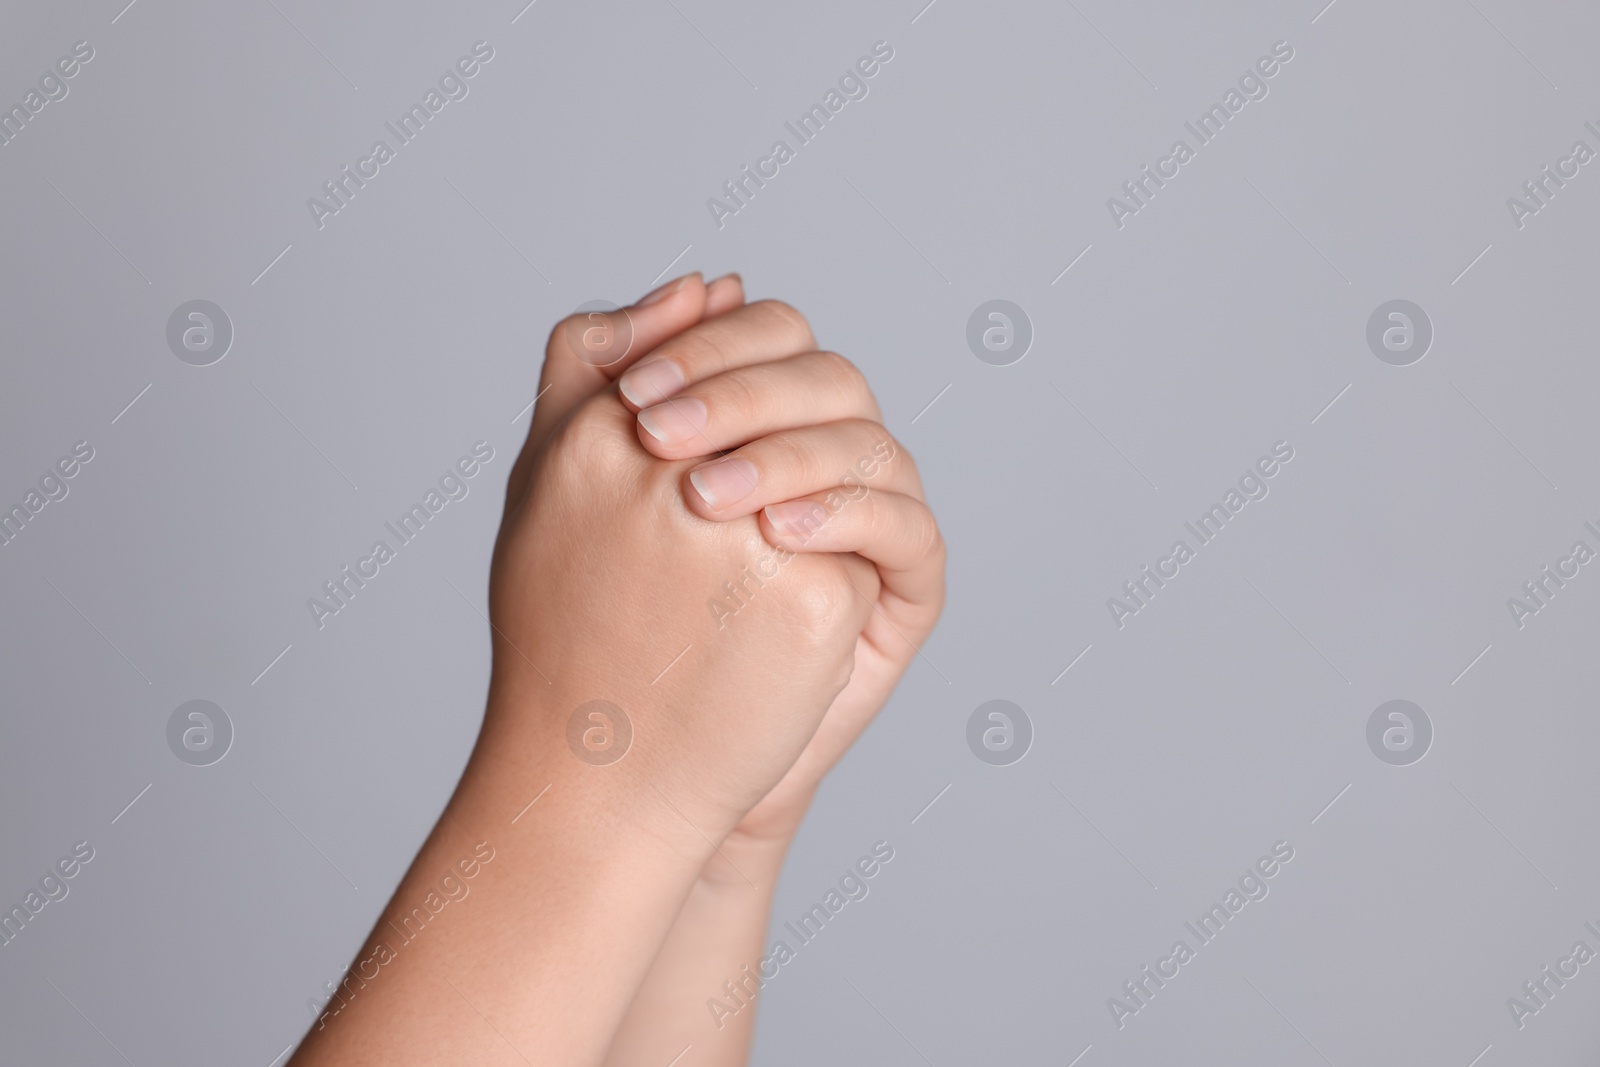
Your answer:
<point x="755" y="333"/>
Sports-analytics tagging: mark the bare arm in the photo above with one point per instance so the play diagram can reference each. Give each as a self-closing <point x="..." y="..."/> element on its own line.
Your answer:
<point x="580" y="925"/>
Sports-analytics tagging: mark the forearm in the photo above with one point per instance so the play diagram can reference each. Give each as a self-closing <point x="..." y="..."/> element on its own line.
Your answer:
<point x="711" y="956"/>
<point x="717" y="464"/>
<point x="541" y="956"/>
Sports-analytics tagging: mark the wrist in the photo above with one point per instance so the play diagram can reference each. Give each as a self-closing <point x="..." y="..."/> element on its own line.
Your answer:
<point x="530" y="868"/>
<point x="591" y="806"/>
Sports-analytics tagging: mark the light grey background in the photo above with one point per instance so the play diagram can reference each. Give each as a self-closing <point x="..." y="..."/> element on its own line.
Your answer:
<point x="1224" y="317"/>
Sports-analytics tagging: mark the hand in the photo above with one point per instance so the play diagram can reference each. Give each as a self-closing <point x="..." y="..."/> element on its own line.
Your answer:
<point x="814" y="461"/>
<point x="601" y="587"/>
<point x="800" y="421"/>
<point x="604" y="575"/>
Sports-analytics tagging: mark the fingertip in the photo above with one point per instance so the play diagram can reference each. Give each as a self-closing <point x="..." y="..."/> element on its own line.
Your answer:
<point x="651" y="439"/>
<point x="793" y="524"/>
<point x="662" y="292"/>
<point x="719" y="486"/>
<point x="662" y="313"/>
<point x="650" y="383"/>
<point x="724" y="294"/>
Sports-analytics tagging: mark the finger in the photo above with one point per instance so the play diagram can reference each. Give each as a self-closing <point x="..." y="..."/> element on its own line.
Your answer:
<point x="854" y="453"/>
<point x="609" y="342"/>
<point x="730" y="409"/>
<point x="724" y="294"/>
<point x="588" y="350"/>
<point x="894" y="531"/>
<point x="754" y="333"/>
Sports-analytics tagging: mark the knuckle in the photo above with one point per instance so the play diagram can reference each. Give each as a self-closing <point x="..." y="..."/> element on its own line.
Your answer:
<point x="594" y="437"/>
<point x="795" y="458"/>
<point x="907" y="462"/>
<point x="577" y="318"/>
<point x="709" y="352"/>
<point x="820" y="605"/>
<point x="877" y="452"/>
<point x="598" y="338"/>
<point x="926" y="536"/>
<point x="842" y="373"/>
<point x="555" y="346"/>
<point x="558" y="332"/>
<point x="872" y="511"/>
<point x="891" y="455"/>
<point x="785" y="317"/>
<point x="738" y="398"/>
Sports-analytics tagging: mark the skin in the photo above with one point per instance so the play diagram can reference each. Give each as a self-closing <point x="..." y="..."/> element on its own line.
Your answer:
<point x="627" y="893"/>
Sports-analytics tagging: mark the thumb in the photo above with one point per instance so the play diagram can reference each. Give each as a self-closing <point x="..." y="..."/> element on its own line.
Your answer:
<point x="587" y="351"/>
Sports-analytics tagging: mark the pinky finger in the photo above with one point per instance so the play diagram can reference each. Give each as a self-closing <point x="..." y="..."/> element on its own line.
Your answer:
<point x="895" y="532"/>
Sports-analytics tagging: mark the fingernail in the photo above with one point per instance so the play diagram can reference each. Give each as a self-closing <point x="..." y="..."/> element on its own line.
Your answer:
<point x="797" y="518"/>
<point x="655" y="295"/>
<point x="675" y="422"/>
<point x="652" y="382"/>
<point x="734" y="275"/>
<point x="727" y="481"/>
